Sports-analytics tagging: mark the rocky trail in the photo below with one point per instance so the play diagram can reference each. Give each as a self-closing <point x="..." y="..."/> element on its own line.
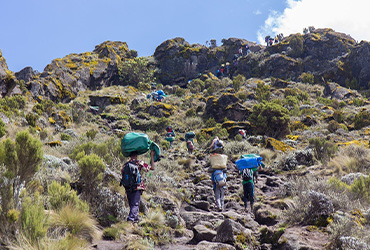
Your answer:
<point x="235" y="227"/>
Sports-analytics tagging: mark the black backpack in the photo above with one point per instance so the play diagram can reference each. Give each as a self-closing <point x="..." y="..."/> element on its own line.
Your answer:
<point x="131" y="176"/>
<point x="247" y="174"/>
<point x="219" y="143"/>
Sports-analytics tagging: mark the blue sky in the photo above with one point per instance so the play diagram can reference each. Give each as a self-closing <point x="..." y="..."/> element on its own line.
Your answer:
<point x="35" y="32"/>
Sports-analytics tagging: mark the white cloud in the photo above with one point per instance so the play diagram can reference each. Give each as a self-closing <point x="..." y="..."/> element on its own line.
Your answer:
<point x="257" y="12"/>
<point x="350" y="17"/>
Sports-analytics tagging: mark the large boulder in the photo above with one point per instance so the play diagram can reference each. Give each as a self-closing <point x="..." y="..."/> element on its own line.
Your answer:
<point x="206" y="245"/>
<point x="201" y="232"/>
<point x="7" y="78"/>
<point x="64" y="77"/>
<point x="226" y="106"/>
<point x="335" y="91"/>
<point x="319" y="209"/>
<point x="178" y="61"/>
<point x="232" y="232"/>
<point x="303" y="238"/>
<point x="193" y="218"/>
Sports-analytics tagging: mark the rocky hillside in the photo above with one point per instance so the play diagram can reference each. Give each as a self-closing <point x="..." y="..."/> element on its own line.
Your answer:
<point x="303" y="102"/>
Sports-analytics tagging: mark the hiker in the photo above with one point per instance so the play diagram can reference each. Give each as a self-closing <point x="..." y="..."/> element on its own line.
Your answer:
<point x="243" y="133"/>
<point x="250" y="176"/>
<point x="247" y="49"/>
<point x="219" y="184"/>
<point x="190" y="146"/>
<point x="217" y="145"/>
<point x="170" y="135"/>
<point x="267" y="40"/>
<point x="132" y="168"/>
<point x="189" y="139"/>
<point x="241" y="51"/>
<point x="271" y="41"/>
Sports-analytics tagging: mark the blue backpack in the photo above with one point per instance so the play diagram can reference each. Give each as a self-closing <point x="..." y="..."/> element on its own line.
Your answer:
<point x="131" y="177"/>
<point x="220" y="178"/>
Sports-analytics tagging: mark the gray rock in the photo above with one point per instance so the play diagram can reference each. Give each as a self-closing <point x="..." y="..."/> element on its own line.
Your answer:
<point x="203" y="233"/>
<point x="206" y="245"/>
<point x="244" y="219"/>
<point x="299" y="157"/>
<point x="70" y="132"/>
<point x="193" y="218"/>
<point x="265" y="217"/>
<point x="320" y="207"/>
<point x="299" y="238"/>
<point x="351" y="177"/>
<point x="229" y="229"/>
<point x="349" y="243"/>
<point x="204" y="205"/>
<point x="107" y="203"/>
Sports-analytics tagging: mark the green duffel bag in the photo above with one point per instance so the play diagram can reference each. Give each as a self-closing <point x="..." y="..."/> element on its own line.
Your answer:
<point x="134" y="141"/>
<point x="140" y="143"/>
<point x="170" y="139"/>
<point x="157" y="151"/>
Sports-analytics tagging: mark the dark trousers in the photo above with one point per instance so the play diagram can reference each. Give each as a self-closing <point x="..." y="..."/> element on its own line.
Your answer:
<point x="248" y="193"/>
<point x="134" y="203"/>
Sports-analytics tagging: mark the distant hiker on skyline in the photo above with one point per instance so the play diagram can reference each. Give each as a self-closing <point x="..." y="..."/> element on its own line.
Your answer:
<point x="267" y="40"/>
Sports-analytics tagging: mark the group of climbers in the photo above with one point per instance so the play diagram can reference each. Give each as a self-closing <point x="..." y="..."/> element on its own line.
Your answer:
<point x="134" y="144"/>
<point x="270" y="40"/>
<point x="224" y="70"/>
<point x="158" y="95"/>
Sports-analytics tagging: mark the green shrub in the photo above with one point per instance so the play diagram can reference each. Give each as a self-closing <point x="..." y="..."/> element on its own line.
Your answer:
<point x="210" y="122"/>
<point x="307" y="78"/>
<point x="33" y="219"/>
<point x="362" y="119"/>
<point x="31" y="119"/>
<point x="62" y="195"/>
<point x="358" y="102"/>
<point x="65" y="137"/>
<point x="180" y="92"/>
<point x="323" y="148"/>
<point x="106" y="150"/>
<point x="338" y="116"/>
<point x="328" y="102"/>
<point x="91" y="133"/>
<point x="352" y="84"/>
<point x="133" y="71"/>
<point x="111" y="233"/>
<point x="238" y="137"/>
<point x="333" y="126"/>
<point x="77" y="223"/>
<point x="263" y="92"/>
<point x="2" y="128"/>
<point x="165" y="144"/>
<point x="191" y="112"/>
<point x="143" y="86"/>
<point x="92" y="169"/>
<point x="361" y="188"/>
<point x="296" y="45"/>
<point x="46" y="106"/>
<point x="196" y="86"/>
<point x="291" y="101"/>
<point x="220" y="132"/>
<point x="238" y="81"/>
<point x="270" y="119"/>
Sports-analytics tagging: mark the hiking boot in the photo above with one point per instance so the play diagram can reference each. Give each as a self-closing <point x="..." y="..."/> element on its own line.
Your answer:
<point x="252" y="207"/>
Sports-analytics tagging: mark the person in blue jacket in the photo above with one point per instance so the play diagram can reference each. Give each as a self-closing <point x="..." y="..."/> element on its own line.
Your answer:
<point x="219" y="188"/>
